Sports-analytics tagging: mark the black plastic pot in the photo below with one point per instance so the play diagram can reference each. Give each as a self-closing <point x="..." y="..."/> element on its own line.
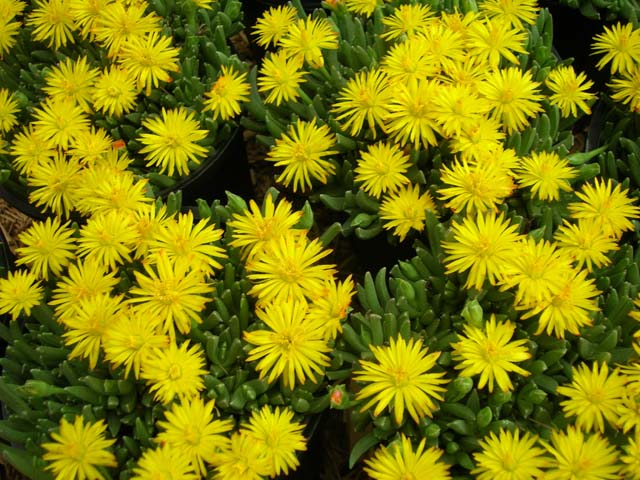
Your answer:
<point x="20" y="201"/>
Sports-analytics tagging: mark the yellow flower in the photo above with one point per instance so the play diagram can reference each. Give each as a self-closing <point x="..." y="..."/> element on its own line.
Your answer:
<point x="585" y="243"/>
<point x="301" y="150"/>
<point x="60" y="121"/>
<point x="274" y="24"/>
<point x="362" y="7"/>
<point x="148" y="220"/>
<point x="78" y="450"/>
<point x="164" y="463"/>
<point x="405" y="209"/>
<point x="545" y="173"/>
<point x="120" y="22"/>
<point x="481" y="139"/>
<point x="172" y="141"/>
<point x="516" y="12"/>
<point x="19" y="293"/>
<point x="176" y="371"/>
<point x="227" y="93"/>
<point x="458" y="108"/>
<point x="55" y="183"/>
<point x="626" y="89"/>
<point x="8" y="32"/>
<point x="52" y="21"/>
<point x="29" y="149"/>
<point x="569" y="91"/>
<point x="306" y="39"/>
<point x="8" y="108"/>
<point x="492" y="40"/>
<point x="400" y="378"/>
<point x="491" y="353"/>
<point x="631" y="458"/>
<point x="618" y="45"/>
<point x="11" y="8"/>
<point x="90" y="145"/>
<point x="85" y="14"/>
<point x="409" y="61"/>
<point x="399" y="461"/>
<point x="99" y="193"/>
<point x="72" y="80"/>
<point x="293" y="348"/>
<point x="245" y="459"/>
<point x="409" y="20"/>
<point x="115" y="91"/>
<point x="445" y="46"/>
<point x="332" y="305"/>
<point x="280" y="78"/>
<point x="382" y="168"/>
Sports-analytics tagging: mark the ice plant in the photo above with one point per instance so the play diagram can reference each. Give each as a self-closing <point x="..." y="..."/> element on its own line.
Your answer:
<point x="19" y="293"/>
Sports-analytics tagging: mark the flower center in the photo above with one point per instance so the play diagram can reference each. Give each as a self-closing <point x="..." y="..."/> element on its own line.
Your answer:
<point x="175" y="372"/>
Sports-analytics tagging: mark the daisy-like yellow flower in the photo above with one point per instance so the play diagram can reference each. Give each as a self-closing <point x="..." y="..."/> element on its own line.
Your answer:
<point x="481" y="139"/>
<point x="274" y="24"/>
<point x="53" y="22"/>
<point x="458" y="108"/>
<point x="9" y="29"/>
<point x="491" y="353"/>
<point x="628" y="407"/>
<point x="409" y="61"/>
<point x="585" y="243"/>
<point x="280" y="78"/>
<point x="253" y="229"/>
<point x="8" y="108"/>
<point x="405" y="209"/>
<point x="19" y="293"/>
<point x="293" y="348"/>
<point x="172" y="141"/>
<point x="401" y="378"/>
<point x="88" y="326"/>
<point x="90" y="145"/>
<point x="244" y="459"/>
<point x="109" y="238"/>
<point x="332" y="305"/>
<point x="569" y="91"/>
<point x="364" y="97"/>
<point x="579" y="455"/>
<point x="545" y="173"/>
<point x="445" y="46"/>
<point x="79" y="449"/>
<point x="60" y="121"/>
<point x="382" y="168"/>
<point x="513" y="96"/>
<point x="130" y="341"/>
<point x="631" y="458"/>
<point x="412" y="118"/>
<point x="279" y="436"/>
<point x="114" y="91"/>
<point x="162" y="463"/>
<point x="170" y="295"/>
<point x="190" y="428"/>
<point x="569" y="308"/>
<point x="85" y="14"/>
<point x="149" y="60"/>
<point x="611" y="207"/>
<point x="400" y="460"/>
<point x="306" y="38"/>
<point x="407" y="20"/>
<point x="122" y="192"/>
<point x="492" y="40"/>
<point x="594" y="395"/>
<point x="618" y="45"/>
<point x="120" y="22"/>
<point x="11" y="8"/>
<point x="46" y="247"/>
<point x="509" y="456"/>
<point x="230" y="89"/>
<point x="301" y="151"/>
<point x="55" y="181"/>
<point x="361" y="7"/>
<point x="72" y="80"/>
<point x="176" y="371"/>
<point x="148" y="220"/>
<point x="484" y="246"/>
<point x="516" y="12"/>
<point x="626" y="89"/>
<point x="28" y="149"/>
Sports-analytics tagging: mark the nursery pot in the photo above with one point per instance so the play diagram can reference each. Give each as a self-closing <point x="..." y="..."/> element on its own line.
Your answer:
<point x="20" y="201"/>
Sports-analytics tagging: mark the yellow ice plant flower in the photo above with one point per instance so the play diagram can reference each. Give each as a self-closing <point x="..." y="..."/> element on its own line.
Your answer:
<point x="170" y="295"/>
<point x="401" y="379"/>
<point x="120" y="22"/>
<point x="190" y="428"/>
<point x="100" y="192"/>
<point x="492" y="40"/>
<point x="164" y="463"/>
<point x="509" y="456"/>
<point x="412" y="117"/>
<point x="406" y="209"/>
<point x="130" y="341"/>
<point x="407" y="20"/>
<point x="230" y="89"/>
<point x="513" y="96"/>
<point x="491" y="353"/>
<point x="484" y="246"/>
<point x="79" y="450"/>
<point x="474" y="188"/>
<point x="626" y="89"/>
<point x="88" y="326"/>
<point x="569" y="308"/>
<point x="54" y="182"/>
<point x="364" y="97"/>
<point x="244" y="459"/>
<point x="301" y="151"/>
<point x="631" y="458"/>
<point x="109" y="238"/>
<point x="171" y="141"/>
<point x="594" y="395"/>
<point x="279" y="436"/>
<point x="618" y="45"/>
<point x="188" y="243"/>
<point x="458" y="108"/>
<point x="569" y="91"/>
<point x="628" y="407"/>
<point x="71" y="80"/>
<point x="8" y="108"/>
<point x="148" y="220"/>
<point x="611" y="207"/>
<point x="60" y="121"/>
<point x="399" y="460"/>
<point x="9" y="30"/>
<point x="576" y="454"/>
<point x="381" y="169"/>
<point x="11" y="8"/>
<point x="362" y="7"/>
<point x="481" y="139"/>
<point x="306" y="38"/>
<point x="445" y="46"/>
<point x="292" y="348"/>
<point x="517" y="12"/>
<point x="28" y="149"/>
<point x="546" y="174"/>
<point x="409" y="61"/>
<point x="20" y="291"/>
<point x="46" y="247"/>
<point x="274" y="24"/>
<point x="585" y="243"/>
<point x="114" y="91"/>
<point x="176" y="371"/>
<point x="85" y="14"/>
<point x="332" y="305"/>
<point x="280" y="78"/>
<point x="149" y="59"/>
<point x="90" y="145"/>
<point x="254" y="228"/>
<point x="53" y="22"/>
